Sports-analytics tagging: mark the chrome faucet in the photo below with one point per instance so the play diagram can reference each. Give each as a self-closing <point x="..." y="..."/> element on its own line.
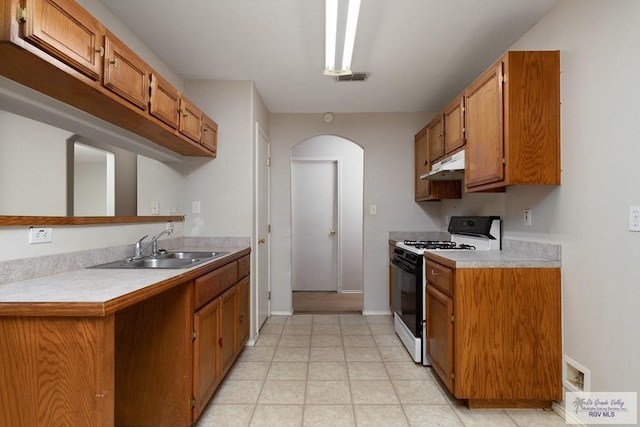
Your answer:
<point x="139" y="249"/>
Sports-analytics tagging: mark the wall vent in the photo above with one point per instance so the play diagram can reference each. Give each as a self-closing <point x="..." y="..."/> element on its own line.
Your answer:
<point x="353" y="77"/>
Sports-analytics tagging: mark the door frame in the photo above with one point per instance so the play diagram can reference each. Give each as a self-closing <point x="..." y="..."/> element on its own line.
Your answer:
<point x="259" y="132"/>
<point x="338" y="160"/>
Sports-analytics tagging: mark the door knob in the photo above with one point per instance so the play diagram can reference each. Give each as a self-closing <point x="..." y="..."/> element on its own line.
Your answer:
<point x="261" y="241"/>
<point x="332" y="232"/>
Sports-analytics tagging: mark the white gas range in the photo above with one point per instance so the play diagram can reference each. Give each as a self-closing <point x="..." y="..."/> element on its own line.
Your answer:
<point x="481" y="233"/>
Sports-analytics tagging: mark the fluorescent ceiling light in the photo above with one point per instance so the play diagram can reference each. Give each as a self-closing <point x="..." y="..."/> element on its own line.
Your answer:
<point x="331" y="36"/>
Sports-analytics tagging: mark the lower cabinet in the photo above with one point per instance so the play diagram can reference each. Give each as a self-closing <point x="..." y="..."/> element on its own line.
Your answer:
<point x="220" y="327"/>
<point x="494" y="334"/>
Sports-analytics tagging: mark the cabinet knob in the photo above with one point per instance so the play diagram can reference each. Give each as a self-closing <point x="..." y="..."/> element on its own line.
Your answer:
<point x="115" y="62"/>
<point x="434" y="273"/>
<point x="100" y="50"/>
<point x="220" y="341"/>
<point x="242" y="318"/>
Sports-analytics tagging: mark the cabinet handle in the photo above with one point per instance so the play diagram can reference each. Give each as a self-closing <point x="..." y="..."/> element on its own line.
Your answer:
<point x="434" y="273"/>
<point x="100" y="50"/>
<point x="115" y="62"/>
<point x="220" y="341"/>
<point x="242" y="318"/>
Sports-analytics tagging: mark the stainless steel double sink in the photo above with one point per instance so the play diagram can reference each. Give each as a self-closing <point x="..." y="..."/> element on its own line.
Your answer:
<point x="164" y="259"/>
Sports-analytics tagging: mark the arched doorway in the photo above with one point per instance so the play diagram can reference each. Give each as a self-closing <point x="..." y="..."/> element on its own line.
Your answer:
<point x="327" y="180"/>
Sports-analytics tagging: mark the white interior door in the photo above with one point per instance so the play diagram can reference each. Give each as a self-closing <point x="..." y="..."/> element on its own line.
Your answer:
<point x="262" y="227"/>
<point x="314" y="225"/>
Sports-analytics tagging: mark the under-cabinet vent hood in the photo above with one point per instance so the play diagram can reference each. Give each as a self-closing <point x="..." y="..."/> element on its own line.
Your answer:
<point x="448" y="169"/>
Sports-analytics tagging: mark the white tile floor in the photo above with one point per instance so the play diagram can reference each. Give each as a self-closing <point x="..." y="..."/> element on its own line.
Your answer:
<point x="331" y="371"/>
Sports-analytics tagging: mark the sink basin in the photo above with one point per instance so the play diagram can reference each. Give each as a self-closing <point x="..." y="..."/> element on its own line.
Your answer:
<point x="178" y="259"/>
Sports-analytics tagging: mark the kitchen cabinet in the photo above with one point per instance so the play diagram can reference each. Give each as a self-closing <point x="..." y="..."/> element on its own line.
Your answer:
<point x="190" y="124"/>
<point x="494" y="334"/>
<point x="147" y="357"/>
<point x="78" y="45"/>
<point x="58" y="49"/>
<point x="430" y="190"/>
<point x="164" y="101"/>
<point x="125" y="73"/>
<point x="229" y="329"/>
<point x="512" y="122"/>
<point x="435" y="136"/>
<point x="453" y="128"/>
<point x="209" y="138"/>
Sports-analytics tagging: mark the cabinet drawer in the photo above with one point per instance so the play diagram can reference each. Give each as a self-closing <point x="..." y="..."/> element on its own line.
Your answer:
<point x="440" y="277"/>
<point x="215" y="283"/>
<point x="243" y="266"/>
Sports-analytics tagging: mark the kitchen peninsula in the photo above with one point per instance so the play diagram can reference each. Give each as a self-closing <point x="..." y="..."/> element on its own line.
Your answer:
<point x="121" y="347"/>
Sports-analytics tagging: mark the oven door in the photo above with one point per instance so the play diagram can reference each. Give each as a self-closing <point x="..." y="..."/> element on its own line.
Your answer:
<point x="407" y="294"/>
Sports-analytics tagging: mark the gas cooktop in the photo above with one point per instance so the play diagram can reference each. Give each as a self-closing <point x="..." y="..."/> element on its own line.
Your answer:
<point x="438" y="245"/>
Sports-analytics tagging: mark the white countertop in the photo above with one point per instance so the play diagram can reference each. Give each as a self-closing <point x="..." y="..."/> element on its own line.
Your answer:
<point x="95" y="285"/>
<point x="494" y="259"/>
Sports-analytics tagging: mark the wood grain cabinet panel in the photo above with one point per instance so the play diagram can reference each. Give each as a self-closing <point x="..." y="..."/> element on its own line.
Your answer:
<point x="215" y="283"/>
<point x="228" y="327"/>
<point x="67" y="32"/>
<point x="512" y="122"/>
<point x="206" y="355"/>
<point x="164" y="101"/>
<point x="496" y="341"/>
<point x="125" y="73"/>
<point x="244" y="312"/>
<point x="453" y="128"/>
<point x="190" y="124"/>
<point x="209" y="137"/>
<point x="435" y="134"/>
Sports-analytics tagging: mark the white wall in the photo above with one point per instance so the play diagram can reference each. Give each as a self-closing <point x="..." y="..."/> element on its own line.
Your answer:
<point x="350" y="191"/>
<point x="587" y="214"/>
<point x="387" y="140"/>
<point x="33" y="172"/>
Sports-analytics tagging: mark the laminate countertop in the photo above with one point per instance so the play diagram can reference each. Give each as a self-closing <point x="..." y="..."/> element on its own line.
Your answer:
<point x="490" y="259"/>
<point x="99" y="292"/>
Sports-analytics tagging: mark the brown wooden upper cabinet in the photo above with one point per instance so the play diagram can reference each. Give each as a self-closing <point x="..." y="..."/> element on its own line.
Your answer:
<point x="65" y="31"/>
<point x="430" y="190"/>
<point x="190" y="124"/>
<point x="453" y="117"/>
<point x="125" y="73"/>
<point x="512" y="122"/>
<point x="164" y="101"/>
<point x="59" y="49"/>
<point x="209" y="137"/>
<point x="435" y="137"/>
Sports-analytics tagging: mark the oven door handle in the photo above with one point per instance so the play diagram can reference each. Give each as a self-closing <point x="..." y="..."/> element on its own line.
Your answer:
<point x="403" y="265"/>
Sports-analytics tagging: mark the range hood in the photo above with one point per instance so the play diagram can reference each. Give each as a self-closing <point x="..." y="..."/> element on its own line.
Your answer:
<point x="448" y="169"/>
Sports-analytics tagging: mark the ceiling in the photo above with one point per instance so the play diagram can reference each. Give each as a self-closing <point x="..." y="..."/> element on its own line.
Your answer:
<point x="419" y="53"/>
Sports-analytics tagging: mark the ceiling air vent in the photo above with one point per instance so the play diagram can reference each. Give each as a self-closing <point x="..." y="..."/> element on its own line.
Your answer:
<point x="353" y="77"/>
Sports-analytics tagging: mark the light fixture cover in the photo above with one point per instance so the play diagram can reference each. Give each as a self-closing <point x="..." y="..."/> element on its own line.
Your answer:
<point x="331" y="36"/>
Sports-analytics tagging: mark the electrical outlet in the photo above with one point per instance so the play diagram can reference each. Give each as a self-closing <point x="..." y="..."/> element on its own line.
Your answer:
<point x="40" y="235"/>
<point x="634" y="218"/>
<point x="373" y="209"/>
<point x="195" y="207"/>
<point x="169" y="226"/>
<point x="155" y="208"/>
<point x="527" y="218"/>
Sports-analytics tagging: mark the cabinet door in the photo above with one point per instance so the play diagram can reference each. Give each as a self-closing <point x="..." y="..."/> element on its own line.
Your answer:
<point x="164" y="102"/>
<point x="209" y="137"/>
<point x="454" y="125"/>
<point x="439" y="335"/>
<point x="436" y="142"/>
<point x="484" y="129"/>
<point x="421" y="157"/>
<point x="190" y="120"/>
<point x="206" y="355"/>
<point x="63" y="29"/>
<point x="244" y="314"/>
<point x="125" y="73"/>
<point x="228" y="327"/>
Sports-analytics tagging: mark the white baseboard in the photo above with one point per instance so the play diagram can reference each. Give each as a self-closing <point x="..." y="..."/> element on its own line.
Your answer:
<point x="376" y="313"/>
<point x="569" y="418"/>
<point x="281" y="313"/>
<point x="251" y="342"/>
